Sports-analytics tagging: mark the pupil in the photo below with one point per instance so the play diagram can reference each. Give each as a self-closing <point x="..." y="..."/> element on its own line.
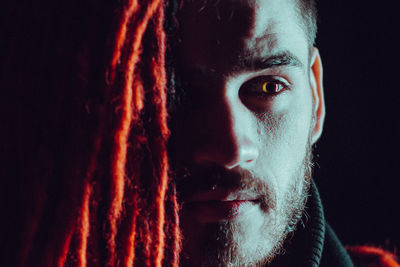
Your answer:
<point x="269" y="87"/>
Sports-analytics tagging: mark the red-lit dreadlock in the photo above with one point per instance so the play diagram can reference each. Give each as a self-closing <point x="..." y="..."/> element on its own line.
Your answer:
<point x="132" y="105"/>
<point x="108" y="200"/>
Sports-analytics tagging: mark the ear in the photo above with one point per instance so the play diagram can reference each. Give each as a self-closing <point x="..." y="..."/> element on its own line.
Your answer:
<point x="316" y="82"/>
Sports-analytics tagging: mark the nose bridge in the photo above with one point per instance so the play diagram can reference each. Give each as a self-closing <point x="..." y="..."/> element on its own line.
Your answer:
<point x="230" y="139"/>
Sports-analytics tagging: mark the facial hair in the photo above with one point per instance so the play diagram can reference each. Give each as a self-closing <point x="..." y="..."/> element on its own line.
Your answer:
<point x="230" y="243"/>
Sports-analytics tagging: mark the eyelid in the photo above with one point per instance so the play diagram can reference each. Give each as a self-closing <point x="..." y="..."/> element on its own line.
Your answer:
<point x="259" y="80"/>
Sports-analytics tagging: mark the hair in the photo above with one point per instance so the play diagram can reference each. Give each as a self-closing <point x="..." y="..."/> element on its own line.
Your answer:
<point x="85" y="174"/>
<point x="307" y="10"/>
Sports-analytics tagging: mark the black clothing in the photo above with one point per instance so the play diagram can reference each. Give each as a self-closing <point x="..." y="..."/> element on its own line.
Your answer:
<point x="314" y="243"/>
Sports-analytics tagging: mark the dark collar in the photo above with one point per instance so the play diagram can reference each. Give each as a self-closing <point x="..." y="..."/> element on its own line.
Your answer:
<point x="314" y="244"/>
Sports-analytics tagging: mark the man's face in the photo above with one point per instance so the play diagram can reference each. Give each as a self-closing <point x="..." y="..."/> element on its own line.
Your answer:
<point x="251" y="108"/>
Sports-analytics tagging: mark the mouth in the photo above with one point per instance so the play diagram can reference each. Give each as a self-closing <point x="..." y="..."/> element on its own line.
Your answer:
<point x="220" y="205"/>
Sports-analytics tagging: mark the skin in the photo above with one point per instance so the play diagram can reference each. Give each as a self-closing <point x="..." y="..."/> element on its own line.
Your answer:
<point x="230" y="135"/>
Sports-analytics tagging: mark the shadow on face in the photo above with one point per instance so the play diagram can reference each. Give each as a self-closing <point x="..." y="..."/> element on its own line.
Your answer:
<point x="242" y="131"/>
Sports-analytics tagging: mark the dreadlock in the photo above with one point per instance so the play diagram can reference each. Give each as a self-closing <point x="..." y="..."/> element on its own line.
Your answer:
<point x="94" y="189"/>
<point x="150" y="16"/>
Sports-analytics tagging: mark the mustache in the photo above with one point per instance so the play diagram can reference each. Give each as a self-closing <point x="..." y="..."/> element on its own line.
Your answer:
<point x="195" y="180"/>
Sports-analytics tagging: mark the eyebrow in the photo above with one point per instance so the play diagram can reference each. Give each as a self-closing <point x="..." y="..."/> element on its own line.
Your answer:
<point x="284" y="58"/>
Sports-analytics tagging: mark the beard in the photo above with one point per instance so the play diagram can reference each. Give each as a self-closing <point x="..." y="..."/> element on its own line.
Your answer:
<point x="244" y="242"/>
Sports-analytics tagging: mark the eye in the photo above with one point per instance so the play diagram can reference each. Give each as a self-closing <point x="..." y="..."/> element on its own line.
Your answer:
<point x="263" y="86"/>
<point x="271" y="87"/>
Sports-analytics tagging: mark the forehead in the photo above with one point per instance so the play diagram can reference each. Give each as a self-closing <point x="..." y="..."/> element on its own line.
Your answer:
<point x="218" y="33"/>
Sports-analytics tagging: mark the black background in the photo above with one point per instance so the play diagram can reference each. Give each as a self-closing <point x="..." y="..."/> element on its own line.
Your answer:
<point x="357" y="157"/>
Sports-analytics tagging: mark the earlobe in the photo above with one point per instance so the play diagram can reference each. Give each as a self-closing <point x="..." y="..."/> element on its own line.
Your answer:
<point x="316" y="82"/>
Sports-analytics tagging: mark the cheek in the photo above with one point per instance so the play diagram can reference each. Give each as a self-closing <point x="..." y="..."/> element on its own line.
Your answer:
<point x="284" y="137"/>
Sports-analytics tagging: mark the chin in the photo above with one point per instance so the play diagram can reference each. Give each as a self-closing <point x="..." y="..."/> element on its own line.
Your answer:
<point x="251" y="241"/>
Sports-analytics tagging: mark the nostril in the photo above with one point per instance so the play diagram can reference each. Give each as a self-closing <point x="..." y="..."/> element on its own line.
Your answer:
<point x="229" y="153"/>
<point x="245" y="153"/>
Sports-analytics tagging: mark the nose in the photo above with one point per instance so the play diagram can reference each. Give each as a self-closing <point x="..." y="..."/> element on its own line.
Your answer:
<point x="229" y="135"/>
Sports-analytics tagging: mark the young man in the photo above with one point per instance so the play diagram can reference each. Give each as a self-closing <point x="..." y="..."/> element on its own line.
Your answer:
<point x="101" y="173"/>
<point x="254" y="83"/>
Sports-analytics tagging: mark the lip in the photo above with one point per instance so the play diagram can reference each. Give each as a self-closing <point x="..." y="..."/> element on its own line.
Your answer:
<point x="220" y="205"/>
<point x="222" y="195"/>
